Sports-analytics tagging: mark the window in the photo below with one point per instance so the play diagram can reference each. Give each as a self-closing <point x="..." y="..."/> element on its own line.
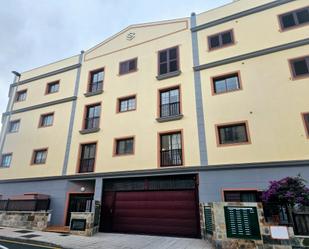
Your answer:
<point x="6" y="160"/>
<point x="294" y="18"/>
<point x="306" y="121"/>
<point x="87" y="157"/>
<point x="21" y="95"/>
<point x="14" y="126"/>
<point x="241" y="196"/>
<point x="52" y="87"/>
<point x="169" y="102"/>
<point x="226" y="83"/>
<point x="92" y="120"/>
<point x="46" y="120"/>
<point x="124" y="146"/>
<point x="221" y="39"/>
<point x="300" y="67"/>
<point x="128" y="66"/>
<point x="171" y="149"/>
<point x="96" y="81"/>
<point x="127" y="104"/>
<point x="233" y="134"/>
<point x="39" y="156"/>
<point x="168" y="61"/>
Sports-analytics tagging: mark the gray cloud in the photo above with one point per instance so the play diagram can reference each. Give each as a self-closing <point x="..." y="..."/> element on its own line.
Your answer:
<point x="37" y="32"/>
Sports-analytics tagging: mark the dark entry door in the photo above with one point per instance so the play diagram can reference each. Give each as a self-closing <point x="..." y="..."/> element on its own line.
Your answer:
<point x="78" y="203"/>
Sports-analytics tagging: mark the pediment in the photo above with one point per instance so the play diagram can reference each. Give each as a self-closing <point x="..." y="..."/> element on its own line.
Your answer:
<point x="135" y="35"/>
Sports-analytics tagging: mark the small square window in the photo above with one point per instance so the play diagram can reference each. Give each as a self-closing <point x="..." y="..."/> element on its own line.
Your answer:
<point x="294" y="18"/>
<point x="232" y="134"/>
<point x="168" y="61"/>
<point x="52" y="87"/>
<point x="46" y="120"/>
<point x="6" y="160"/>
<point x="220" y="40"/>
<point x="127" y="104"/>
<point x="124" y="146"/>
<point x="14" y="126"/>
<point x="227" y="83"/>
<point x="39" y="156"/>
<point x="128" y="66"/>
<point x="21" y="95"/>
<point x="300" y="67"/>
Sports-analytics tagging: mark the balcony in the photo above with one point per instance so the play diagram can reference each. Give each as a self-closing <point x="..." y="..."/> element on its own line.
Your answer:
<point x="86" y="165"/>
<point x="95" y="89"/>
<point x="169" y="112"/>
<point x="91" y="125"/>
<point x="171" y="158"/>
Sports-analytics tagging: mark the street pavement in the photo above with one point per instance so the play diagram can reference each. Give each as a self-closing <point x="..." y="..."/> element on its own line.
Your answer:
<point x="99" y="240"/>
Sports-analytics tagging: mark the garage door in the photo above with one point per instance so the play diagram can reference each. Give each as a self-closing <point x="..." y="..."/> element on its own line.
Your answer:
<point x="157" y="212"/>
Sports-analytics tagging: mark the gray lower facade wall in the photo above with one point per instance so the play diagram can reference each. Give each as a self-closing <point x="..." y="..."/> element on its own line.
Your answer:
<point x="212" y="182"/>
<point x="57" y="190"/>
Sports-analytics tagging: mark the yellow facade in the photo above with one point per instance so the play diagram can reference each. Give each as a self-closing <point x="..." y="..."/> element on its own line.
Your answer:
<point x="270" y="101"/>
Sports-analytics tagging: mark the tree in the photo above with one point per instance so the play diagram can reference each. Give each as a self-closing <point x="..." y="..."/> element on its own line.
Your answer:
<point x="289" y="191"/>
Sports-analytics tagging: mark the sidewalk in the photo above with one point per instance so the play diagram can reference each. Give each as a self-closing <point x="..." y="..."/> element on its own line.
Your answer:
<point x="104" y="240"/>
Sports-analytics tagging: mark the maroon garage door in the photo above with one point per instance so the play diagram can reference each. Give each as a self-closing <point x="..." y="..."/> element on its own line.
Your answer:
<point x="157" y="212"/>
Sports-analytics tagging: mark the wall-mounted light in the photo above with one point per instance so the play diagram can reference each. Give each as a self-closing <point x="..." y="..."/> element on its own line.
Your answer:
<point x="82" y="189"/>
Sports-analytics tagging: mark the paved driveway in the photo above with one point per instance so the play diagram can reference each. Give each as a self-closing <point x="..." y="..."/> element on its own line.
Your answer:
<point x="106" y="240"/>
<point x="125" y="241"/>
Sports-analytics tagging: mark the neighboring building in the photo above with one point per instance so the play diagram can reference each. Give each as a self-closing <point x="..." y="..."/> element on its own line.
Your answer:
<point x="165" y="115"/>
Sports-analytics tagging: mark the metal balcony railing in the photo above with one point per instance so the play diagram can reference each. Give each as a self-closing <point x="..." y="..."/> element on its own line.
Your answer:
<point x="168" y="110"/>
<point x="171" y="157"/>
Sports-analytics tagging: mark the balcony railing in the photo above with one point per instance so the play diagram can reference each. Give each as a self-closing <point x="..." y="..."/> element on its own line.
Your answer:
<point x="92" y="123"/>
<point x="95" y="87"/>
<point x="171" y="158"/>
<point x="86" y="165"/>
<point x="168" y="110"/>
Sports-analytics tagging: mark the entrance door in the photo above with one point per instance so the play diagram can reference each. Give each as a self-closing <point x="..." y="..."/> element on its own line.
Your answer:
<point x="78" y="203"/>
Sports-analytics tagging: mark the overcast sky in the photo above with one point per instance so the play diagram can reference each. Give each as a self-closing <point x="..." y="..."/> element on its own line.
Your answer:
<point x="37" y="32"/>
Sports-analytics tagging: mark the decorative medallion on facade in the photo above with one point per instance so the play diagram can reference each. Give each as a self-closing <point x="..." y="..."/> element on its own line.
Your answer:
<point x="130" y="36"/>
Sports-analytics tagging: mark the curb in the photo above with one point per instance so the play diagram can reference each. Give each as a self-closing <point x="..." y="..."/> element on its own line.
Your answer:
<point x="30" y="241"/>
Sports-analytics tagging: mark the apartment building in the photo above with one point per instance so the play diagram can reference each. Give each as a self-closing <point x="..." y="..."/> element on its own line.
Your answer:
<point x="162" y="116"/>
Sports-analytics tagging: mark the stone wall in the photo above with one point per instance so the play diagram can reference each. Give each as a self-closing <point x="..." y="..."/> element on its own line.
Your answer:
<point x="24" y="220"/>
<point x="219" y="237"/>
<point x="90" y="228"/>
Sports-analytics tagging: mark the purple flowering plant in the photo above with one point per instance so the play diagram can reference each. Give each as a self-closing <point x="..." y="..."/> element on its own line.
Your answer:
<point x="289" y="191"/>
